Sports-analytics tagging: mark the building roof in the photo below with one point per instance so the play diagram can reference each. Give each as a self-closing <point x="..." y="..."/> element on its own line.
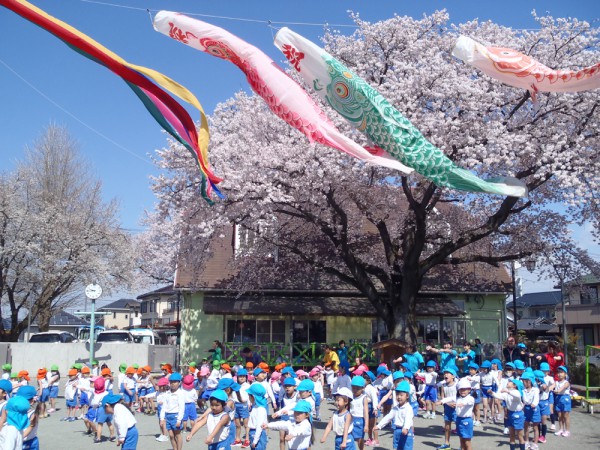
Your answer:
<point x="165" y="290"/>
<point x="122" y="304"/>
<point x="539" y="324"/>
<point x="64" y="319"/>
<point x="550" y="298"/>
<point x="217" y="273"/>
<point x="316" y="306"/>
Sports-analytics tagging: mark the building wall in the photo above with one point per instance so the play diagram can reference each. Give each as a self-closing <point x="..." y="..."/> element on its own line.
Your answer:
<point x="348" y="328"/>
<point x="484" y="320"/>
<point x="198" y="330"/>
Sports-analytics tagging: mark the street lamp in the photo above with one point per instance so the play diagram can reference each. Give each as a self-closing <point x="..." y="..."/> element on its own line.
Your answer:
<point x="530" y="264"/>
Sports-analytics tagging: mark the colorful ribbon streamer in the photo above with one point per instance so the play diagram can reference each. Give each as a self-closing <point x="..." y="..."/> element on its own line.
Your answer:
<point x="282" y="94"/>
<point x="371" y="113"/>
<point x="518" y="70"/>
<point x="145" y="82"/>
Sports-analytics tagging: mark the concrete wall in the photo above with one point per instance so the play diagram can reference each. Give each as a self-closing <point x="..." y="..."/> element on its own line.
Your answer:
<point x="32" y="356"/>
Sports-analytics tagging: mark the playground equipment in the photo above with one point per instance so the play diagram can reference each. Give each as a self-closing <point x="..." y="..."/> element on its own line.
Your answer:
<point x="591" y="352"/>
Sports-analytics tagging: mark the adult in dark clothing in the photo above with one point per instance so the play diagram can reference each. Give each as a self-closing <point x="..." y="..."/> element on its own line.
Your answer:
<point x="511" y="352"/>
<point x="251" y="356"/>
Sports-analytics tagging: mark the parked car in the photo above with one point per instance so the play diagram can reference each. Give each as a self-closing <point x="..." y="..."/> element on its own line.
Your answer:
<point x="115" y="336"/>
<point x="145" y="336"/>
<point x="52" y="336"/>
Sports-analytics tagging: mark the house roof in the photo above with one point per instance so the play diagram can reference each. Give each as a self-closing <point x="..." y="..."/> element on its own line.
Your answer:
<point x="551" y="298"/>
<point x="316" y="306"/>
<point x="539" y="324"/>
<point x="64" y="319"/>
<point x="165" y="290"/>
<point x="218" y="272"/>
<point x="122" y="304"/>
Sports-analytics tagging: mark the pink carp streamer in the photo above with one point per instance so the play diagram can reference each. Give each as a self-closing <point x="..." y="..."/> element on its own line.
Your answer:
<point x="521" y="71"/>
<point x="283" y="95"/>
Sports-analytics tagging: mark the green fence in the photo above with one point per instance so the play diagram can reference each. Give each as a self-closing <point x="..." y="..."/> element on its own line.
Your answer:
<point x="299" y="354"/>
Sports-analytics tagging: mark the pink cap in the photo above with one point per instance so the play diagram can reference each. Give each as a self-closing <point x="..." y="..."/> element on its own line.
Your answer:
<point x="301" y="373"/>
<point x="313" y="372"/>
<point x="163" y="381"/>
<point x="275" y="376"/>
<point x="99" y="384"/>
<point x="204" y="371"/>
<point x="358" y="371"/>
<point x="188" y="382"/>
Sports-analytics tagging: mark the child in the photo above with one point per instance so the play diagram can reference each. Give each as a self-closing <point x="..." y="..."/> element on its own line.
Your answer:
<point x="486" y="378"/>
<point x="85" y="390"/>
<point x="299" y="431"/>
<point x="317" y="378"/>
<point x="171" y="414"/>
<point x="384" y="383"/>
<point x="241" y="409"/>
<point x="412" y="394"/>
<point x="53" y="381"/>
<point x="124" y="421"/>
<point x="162" y="385"/>
<point x="43" y="392"/>
<point x="275" y="385"/>
<point x="449" y="401"/>
<point x="371" y="393"/>
<point x="402" y="415"/>
<point x="11" y="435"/>
<point x="515" y="418"/>
<point x="71" y="395"/>
<point x="562" y="402"/>
<point x="359" y="409"/>
<point x="506" y="377"/>
<point x="531" y="400"/>
<point x="258" y="416"/>
<point x="30" y="439"/>
<point x="546" y="386"/>
<point x="100" y="417"/>
<point x="201" y="386"/>
<point x="551" y="383"/>
<point x="287" y="403"/>
<point x="430" y="392"/>
<point x="464" y="413"/>
<point x="217" y="422"/>
<point x="341" y="421"/>
<point x="128" y="387"/>
<point x="329" y="379"/>
<point x="24" y="378"/>
<point x="495" y="404"/>
<point x="6" y="369"/>
<point x="5" y="391"/>
<point x="260" y="376"/>
<point x="475" y="380"/>
<point x="343" y="379"/>
<point x="467" y="357"/>
<point x="190" y="397"/>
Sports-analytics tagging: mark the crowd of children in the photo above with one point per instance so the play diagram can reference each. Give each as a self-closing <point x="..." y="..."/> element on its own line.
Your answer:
<point x="239" y="403"/>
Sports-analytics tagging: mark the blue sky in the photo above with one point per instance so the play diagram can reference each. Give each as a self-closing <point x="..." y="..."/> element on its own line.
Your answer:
<point x="42" y="81"/>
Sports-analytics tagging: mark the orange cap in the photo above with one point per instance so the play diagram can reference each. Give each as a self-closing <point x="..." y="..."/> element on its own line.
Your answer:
<point x="226" y="367"/>
<point x="105" y="371"/>
<point x="147" y="369"/>
<point x="130" y="370"/>
<point x="278" y="367"/>
<point x="85" y="369"/>
<point x="249" y="365"/>
<point x="72" y="372"/>
<point x="41" y="373"/>
<point x="264" y="366"/>
<point x="167" y="367"/>
<point x="140" y="370"/>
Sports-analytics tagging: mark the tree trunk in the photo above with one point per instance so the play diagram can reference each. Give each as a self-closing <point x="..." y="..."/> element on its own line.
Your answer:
<point x="401" y="324"/>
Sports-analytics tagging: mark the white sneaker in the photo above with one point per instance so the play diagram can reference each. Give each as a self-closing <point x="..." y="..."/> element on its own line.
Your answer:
<point x="427" y="415"/>
<point x="552" y="427"/>
<point x="432" y="416"/>
<point x="505" y="431"/>
<point x="477" y="423"/>
<point x="162" y="438"/>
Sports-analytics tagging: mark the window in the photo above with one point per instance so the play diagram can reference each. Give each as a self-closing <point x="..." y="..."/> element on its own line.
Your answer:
<point x="305" y="331"/>
<point x="126" y="316"/>
<point x="114" y="315"/>
<point x="255" y="331"/>
<point x="378" y="330"/>
<point x="428" y="330"/>
<point x="144" y="307"/>
<point x="455" y="331"/>
<point x="589" y="294"/>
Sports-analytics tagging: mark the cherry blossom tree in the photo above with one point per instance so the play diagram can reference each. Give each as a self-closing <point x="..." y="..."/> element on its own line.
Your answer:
<point x="57" y="234"/>
<point x="379" y="232"/>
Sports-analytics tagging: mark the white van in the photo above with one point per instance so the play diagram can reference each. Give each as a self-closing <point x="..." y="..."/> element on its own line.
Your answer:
<point x="145" y="336"/>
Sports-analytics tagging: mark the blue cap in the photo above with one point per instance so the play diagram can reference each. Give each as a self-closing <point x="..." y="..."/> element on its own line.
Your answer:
<point x="528" y="376"/>
<point x="289" y="381"/>
<point x="111" y="399"/>
<point x="403" y="386"/>
<point x="228" y="383"/>
<point x="529" y="369"/>
<point x="408" y="374"/>
<point x="518" y="384"/>
<point x="371" y="375"/>
<point x="431" y="363"/>
<point x="256" y="371"/>
<point x="486" y="364"/>
<point x="405" y="365"/>
<point x="398" y="375"/>
<point x="450" y="370"/>
<point x="473" y="365"/>
<point x="242" y="373"/>
<point x="306" y="385"/>
<point x="303" y="406"/>
<point x="175" y="376"/>
<point x="257" y="389"/>
<point x="6" y="386"/>
<point x="290" y="370"/>
<point x="563" y="368"/>
<point x="510" y="365"/>
<point x="539" y="375"/>
<point x="381" y="370"/>
<point x="28" y="392"/>
<point x="358" y="381"/>
<point x="520" y="365"/>
<point x="220" y="395"/>
<point x="521" y="345"/>
<point x="545" y="367"/>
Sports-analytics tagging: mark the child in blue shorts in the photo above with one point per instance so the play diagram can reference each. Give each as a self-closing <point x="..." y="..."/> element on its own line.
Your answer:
<point x="402" y="415"/>
<point x="515" y="419"/>
<point x="173" y="408"/>
<point x="464" y="413"/>
<point x="562" y="402"/>
<point x="71" y="395"/>
<point x="430" y="392"/>
<point x="531" y="400"/>
<point x="449" y="401"/>
<point x="359" y="408"/>
<point x="124" y="421"/>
